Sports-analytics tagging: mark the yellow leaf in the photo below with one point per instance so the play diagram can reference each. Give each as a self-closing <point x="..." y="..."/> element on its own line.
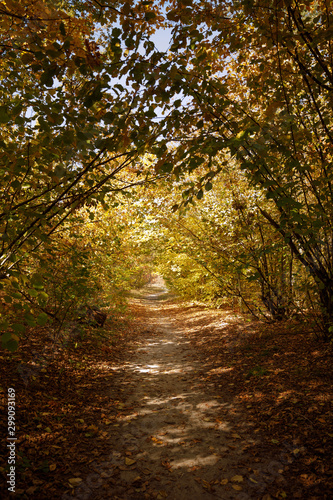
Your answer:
<point x="53" y="467"/>
<point x="236" y="487"/>
<point x="237" y="479"/>
<point x="75" y="481"/>
<point x="206" y="484"/>
<point x="93" y="428"/>
<point x="129" y="461"/>
<point x="224" y="481"/>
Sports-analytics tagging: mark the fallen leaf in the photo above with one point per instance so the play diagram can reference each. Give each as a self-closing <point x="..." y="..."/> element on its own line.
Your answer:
<point x="75" y="481"/>
<point x="224" y="481"/>
<point x="156" y="440"/>
<point x="93" y="428"/>
<point x="129" y="461"/>
<point x="206" y="484"/>
<point x="236" y="487"/>
<point x="237" y="479"/>
<point x="146" y="471"/>
<point x="53" y="467"/>
<point x="31" y="490"/>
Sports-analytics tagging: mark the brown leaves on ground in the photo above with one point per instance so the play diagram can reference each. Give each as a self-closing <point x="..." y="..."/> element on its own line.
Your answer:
<point x="276" y="379"/>
<point x="63" y="413"/>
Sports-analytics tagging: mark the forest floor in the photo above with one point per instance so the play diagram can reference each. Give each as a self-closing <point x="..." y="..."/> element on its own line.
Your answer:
<point x="178" y="402"/>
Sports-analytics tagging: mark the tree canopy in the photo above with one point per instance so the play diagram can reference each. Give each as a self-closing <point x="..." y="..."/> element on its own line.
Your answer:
<point x="240" y="106"/>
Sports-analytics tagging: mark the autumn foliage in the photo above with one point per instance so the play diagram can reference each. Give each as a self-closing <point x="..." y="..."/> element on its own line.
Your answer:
<point x="238" y="107"/>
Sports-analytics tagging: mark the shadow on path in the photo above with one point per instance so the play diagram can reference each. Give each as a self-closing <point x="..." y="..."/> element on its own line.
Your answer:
<point x="171" y="439"/>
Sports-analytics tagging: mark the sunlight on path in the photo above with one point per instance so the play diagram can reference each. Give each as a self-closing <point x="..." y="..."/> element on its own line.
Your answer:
<point x="172" y="441"/>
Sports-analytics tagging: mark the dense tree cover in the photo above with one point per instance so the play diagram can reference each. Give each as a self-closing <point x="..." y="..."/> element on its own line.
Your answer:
<point x="86" y="94"/>
<point x="261" y="87"/>
<point x="221" y="250"/>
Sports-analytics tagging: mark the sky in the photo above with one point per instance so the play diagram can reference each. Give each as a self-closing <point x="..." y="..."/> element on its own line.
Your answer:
<point x="162" y="39"/>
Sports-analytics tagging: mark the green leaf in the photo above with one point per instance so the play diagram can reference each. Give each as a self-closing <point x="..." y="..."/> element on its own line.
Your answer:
<point x="166" y="168"/>
<point x="11" y="345"/>
<point x="47" y="78"/>
<point x="42" y="319"/>
<point x="4" y="116"/>
<point x="29" y="318"/>
<point x="37" y="281"/>
<point x="62" y="29"/>
<point x="43" y="297"/>
<point x="149" y="16"/>
<point x="18" y="328"/>
<point x="59" y="171"/>
<point x="109" y="117"/>
<point x="6" y="337"/>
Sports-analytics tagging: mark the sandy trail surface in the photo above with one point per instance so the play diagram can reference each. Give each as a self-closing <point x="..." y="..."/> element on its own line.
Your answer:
<point x="172" y="439"/>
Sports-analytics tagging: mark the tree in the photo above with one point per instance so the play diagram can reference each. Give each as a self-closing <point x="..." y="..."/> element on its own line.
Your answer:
<point x="84" y="85"/>
<point x="65" y="123"/>
<point x="256" y="79"/>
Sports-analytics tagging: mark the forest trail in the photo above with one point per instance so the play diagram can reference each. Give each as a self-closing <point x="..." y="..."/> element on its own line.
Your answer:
<point x="172" y="439"/>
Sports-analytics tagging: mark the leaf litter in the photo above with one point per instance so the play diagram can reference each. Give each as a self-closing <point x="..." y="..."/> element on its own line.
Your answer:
<point x="188" y="403"/>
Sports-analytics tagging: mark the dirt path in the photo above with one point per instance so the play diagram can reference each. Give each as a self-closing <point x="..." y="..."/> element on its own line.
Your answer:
<point x="171" y="439"/>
